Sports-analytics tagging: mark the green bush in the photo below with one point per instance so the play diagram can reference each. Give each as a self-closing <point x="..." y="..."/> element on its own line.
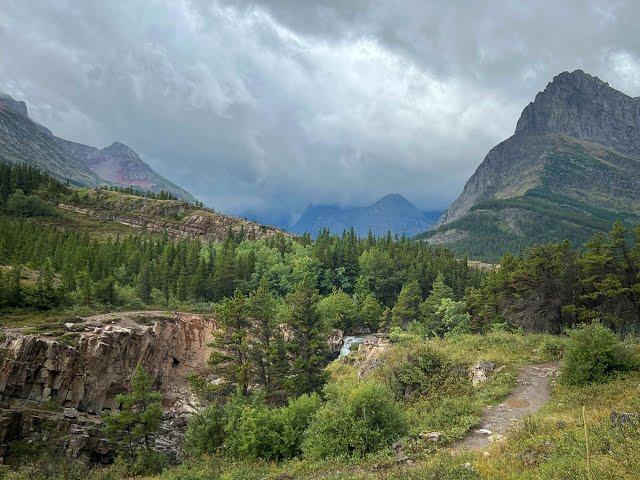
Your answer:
<point x="553" y="348"/>
<point x="148" y="462"/>
<point x="249" y="429"/>
<point x="594" y="353"/>
<point x="419" y="371"/>
<point x="355" y="422"/>
<point x="205" y="431"/>
<point x="61" y="468"/>
<point x="28" y="205"/>
<point x="453" y="417"/>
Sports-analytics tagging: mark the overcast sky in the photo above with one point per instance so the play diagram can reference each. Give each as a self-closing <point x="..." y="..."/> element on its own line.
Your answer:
<point x="268" y="106"/>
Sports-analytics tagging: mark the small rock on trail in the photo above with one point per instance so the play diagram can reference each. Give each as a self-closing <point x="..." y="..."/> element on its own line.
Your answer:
<point x="531" y="393"/>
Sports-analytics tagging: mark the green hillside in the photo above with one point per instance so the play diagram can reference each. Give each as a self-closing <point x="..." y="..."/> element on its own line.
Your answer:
<point x="580" y="188"/>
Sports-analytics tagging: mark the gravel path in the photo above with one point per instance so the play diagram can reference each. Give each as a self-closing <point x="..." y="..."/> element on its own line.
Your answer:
<point x="531" y="393"/>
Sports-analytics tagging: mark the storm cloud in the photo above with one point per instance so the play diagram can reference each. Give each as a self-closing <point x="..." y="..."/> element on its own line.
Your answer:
<point x="264" y="107"/>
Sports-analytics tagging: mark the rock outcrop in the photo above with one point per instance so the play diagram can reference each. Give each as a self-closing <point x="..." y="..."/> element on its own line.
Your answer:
<point x="67" y="379"/>
<point x="583" y="106"/>
<point x="177" y="218"/>
<point x="369" y="355"/>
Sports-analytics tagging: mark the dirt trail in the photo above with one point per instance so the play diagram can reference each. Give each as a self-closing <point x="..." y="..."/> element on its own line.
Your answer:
<point x="532" y="392"/>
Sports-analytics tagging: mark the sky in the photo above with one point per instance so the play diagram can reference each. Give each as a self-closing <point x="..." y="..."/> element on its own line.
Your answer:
<point x="260" y="108"/>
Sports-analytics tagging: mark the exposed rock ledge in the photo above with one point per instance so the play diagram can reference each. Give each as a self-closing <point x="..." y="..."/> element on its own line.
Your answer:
<point x="177" y="219"/>
<point x="83" y="372"/>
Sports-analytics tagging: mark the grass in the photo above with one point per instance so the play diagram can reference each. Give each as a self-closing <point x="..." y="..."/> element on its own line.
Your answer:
<point x="551" y="444"/>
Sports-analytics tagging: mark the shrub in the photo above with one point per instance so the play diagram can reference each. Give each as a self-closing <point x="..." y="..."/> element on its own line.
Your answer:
<point x="205" y="431"/>
<point x="552" y="348"/>
<point x="453" y="417"/>
<point x="271" y="433"/>
<point x="59" y="467"/>
<point x="148" y="462"/>
<point x="355" y="422"/>
<point x="593" y="353"/>
<point x="28" y="205"/>
<point x="251" y="430"/>
<point x="419" y="371"/>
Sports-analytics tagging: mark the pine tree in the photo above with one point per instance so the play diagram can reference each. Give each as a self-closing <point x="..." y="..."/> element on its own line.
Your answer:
<point x="139" y="417"/>
<point x="429" y="308"/>
<point x="265" y="352"/>
<point x="14" y="293"/>
<point x="45" y="289"/>
<point x="407" y="308"/>
<point x="307" y="347"/>
<point x="224" y="275"/>
<point x="182" y="285"/>
<point x="143" y="283"/>
<point x="229" y="359"/>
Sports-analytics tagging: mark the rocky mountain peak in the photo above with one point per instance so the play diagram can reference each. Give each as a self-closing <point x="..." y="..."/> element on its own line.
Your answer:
<point x="13" y="104"/>
<point x="393" y="199"/>
<point x="121" y="150"/>
<point x="583" y="106"/>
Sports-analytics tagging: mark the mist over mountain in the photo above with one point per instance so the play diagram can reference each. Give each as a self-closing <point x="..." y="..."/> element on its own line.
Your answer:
<point x="392" y="213"/>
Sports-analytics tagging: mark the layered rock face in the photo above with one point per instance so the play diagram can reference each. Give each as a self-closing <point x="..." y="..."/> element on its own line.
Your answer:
<point x="84" y="369"/>
<point x="585" y="107"/>
<point x="178" y="219"/>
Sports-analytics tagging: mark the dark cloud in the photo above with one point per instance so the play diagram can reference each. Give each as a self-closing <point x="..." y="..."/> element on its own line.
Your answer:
<point x="268" y="106"/>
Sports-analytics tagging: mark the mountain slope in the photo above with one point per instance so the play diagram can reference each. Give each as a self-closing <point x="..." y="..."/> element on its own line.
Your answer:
<point x="392" y="213"/>
<point x="120" y="165"/>
<point x="24" y="141"/>
<point x="570" y="169"/>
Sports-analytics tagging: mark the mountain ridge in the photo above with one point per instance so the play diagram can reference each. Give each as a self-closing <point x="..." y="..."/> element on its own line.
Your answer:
<point x="393" y="213"/>
<point x="577" y="143"/>
<point x="24" y="140"/>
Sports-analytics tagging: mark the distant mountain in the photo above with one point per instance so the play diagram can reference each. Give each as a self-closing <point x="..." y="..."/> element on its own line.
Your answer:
<point x="391" y="213"/>
<point x="570" y="169"/>
<point x="24" y="141"/>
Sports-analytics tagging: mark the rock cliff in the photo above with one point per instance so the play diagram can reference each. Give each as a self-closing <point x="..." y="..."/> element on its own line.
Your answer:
<point x="66" y="379"/>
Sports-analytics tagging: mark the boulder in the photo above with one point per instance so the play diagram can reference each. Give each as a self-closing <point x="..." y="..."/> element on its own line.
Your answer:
<point x="480" y="372"/>
<point x="70" y="413"/>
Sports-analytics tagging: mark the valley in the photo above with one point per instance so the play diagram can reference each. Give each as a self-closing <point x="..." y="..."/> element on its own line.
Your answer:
<point x="144" y="335"/>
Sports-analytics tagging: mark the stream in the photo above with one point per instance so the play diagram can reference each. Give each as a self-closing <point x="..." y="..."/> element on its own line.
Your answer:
<point x="349" y="342"/>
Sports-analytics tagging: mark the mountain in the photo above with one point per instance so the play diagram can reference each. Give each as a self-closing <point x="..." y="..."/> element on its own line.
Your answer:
<point x="120" y="165"/>
<point x="391" y="213"/>
<point x="570" y="169"/>
<point x="24" y="141"/>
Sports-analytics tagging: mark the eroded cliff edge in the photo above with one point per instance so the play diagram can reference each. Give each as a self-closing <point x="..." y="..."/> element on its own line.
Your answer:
<point x="58" y="383"/>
